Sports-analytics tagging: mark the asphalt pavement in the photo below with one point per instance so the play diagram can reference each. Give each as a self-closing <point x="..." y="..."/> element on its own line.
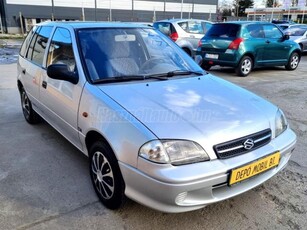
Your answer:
<point x="45" y="183"/>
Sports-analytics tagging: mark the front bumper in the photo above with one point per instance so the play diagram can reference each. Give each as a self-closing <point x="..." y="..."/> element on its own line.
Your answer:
<point x="174" y="189"/>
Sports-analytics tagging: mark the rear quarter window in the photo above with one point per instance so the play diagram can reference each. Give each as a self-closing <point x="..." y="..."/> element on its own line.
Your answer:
<point x="26" y="42"/>
<point x="223" y="31"/>
<point x="165" y="27"/>
<point x="38" y="44"/>
<point x="193" y="27"/>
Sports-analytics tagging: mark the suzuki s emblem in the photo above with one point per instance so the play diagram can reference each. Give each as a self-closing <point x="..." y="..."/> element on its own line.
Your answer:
<point x="248" y="144"/>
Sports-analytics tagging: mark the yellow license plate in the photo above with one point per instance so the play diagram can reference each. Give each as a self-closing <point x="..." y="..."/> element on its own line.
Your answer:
<point x="254" y="168"/>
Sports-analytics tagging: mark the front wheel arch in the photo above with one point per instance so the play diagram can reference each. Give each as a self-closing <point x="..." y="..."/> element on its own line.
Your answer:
<point x="106" y="175"/>
<point x="92" y="137"/>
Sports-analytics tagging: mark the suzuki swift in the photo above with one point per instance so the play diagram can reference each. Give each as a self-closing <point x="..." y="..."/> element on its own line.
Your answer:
<point x="247" y="45"/>
<point x="156" y="127"/>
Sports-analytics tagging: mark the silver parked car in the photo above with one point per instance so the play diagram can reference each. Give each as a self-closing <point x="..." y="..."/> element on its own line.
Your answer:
<point x="156" y="128"/>
<point x="299" y="35"/>
<point x="185" y="32"/>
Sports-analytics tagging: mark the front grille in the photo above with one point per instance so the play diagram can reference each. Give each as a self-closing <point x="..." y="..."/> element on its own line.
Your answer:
<point x="242" y="145"/>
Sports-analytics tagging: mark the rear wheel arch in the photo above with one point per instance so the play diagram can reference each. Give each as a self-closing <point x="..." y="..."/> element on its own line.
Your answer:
<point x="187" y="50"/>
<point x="19" y="85"/>
<point x="251" y="56"/>
<point x="29" y="113"/>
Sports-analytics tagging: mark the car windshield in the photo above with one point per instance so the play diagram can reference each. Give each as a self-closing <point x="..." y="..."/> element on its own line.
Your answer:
<point x="296" y="31"/>
<point x="132" y="53"/>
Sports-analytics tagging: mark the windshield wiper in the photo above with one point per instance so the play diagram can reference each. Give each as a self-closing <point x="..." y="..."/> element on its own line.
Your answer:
<point x="128" y="78"/>
<point x="177" y="73"/>
<point x="159" y="76"/>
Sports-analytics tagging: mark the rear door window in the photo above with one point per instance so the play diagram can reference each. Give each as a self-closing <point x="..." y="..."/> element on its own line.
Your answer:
<point x="223" y="31"/>
<point x="255" y="31"/>
<point x="38" y="45"/>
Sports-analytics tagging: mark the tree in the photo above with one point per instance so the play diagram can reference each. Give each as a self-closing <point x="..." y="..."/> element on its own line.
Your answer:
<point x="226" y="12"/>
<point x="269" y="3"/>
<point x="241" y="5"/>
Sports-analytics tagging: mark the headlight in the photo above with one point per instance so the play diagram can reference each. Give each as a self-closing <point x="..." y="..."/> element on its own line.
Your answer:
<point x="281" y="123"/>
<point x="176" y="152"/>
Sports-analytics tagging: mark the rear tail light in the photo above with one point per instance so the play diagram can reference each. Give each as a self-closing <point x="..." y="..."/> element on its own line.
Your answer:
<point x="199" y="43"/>
<point x="234" y="45"/>
<point x="174" y="36"/>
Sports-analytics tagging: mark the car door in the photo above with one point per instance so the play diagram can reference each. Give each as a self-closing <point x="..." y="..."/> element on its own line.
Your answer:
<point x="277" y="51"/>
<point x="255" y="42"/>
<point x="61" y="98"/>
<point x="30" y="67"/>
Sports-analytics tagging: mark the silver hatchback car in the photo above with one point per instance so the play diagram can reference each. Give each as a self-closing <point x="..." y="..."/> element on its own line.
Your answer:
<point x="156" y="128"/>
<point x="185" y="32"/>
<point x="299" y="35"/>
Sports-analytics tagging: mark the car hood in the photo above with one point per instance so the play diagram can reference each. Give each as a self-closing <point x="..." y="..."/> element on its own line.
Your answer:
<point x="205" y="109"/>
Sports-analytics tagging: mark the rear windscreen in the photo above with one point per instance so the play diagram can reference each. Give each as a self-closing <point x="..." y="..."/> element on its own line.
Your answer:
<point x="223" y="31"/>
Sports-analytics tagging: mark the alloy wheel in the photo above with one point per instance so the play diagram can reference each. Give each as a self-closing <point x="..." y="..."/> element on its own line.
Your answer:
<point x="25" y="104"/>
<point x="102" y="175"/>
<point x="246" y="66"/>
<point x="294" y="61"/>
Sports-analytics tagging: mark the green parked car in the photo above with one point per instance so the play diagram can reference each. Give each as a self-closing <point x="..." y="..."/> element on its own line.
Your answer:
<point x="246" y="45"/>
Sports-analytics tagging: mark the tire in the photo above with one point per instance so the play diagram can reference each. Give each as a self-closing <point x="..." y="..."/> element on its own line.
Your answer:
<point x="30" y="115"/>
<point x="245" y="66"/>
<point x="106" y="176"/>
<point x="206" y="67"/>
<point x="293" y="62"/>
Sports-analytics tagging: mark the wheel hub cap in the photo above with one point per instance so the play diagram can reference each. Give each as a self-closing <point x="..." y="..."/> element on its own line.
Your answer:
<point x="99" y="175"/>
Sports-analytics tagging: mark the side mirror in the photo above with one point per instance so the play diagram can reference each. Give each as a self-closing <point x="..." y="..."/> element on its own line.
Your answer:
<point x="61" y="72"/>
<point x="198" y="59"/>
<point x="285" y="37"/>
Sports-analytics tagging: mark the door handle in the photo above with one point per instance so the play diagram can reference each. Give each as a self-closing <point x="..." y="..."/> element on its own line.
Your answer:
<point x="44" y="84"/>
<point x="23" y="71"/>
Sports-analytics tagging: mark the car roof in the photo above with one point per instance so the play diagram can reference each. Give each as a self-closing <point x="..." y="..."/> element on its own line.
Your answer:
<point x="176" y="20"/>
<point x="243" y="22"/>
<point x="88" y="24"/>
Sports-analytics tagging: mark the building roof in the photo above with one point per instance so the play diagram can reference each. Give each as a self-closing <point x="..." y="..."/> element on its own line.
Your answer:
<point x="89" y="24"/>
